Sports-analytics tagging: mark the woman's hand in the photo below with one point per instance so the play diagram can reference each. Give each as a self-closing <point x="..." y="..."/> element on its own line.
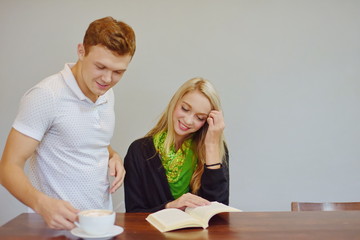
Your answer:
<point x="215" y="130"/>
<point x="216" y="127"/>
<point x="187" y="200"/>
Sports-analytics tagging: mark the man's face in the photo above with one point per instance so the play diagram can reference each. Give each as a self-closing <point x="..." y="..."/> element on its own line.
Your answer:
<point x="100" y="70"/>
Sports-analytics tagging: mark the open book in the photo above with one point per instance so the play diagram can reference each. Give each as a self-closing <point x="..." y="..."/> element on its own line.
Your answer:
<point x="173" y="218"/>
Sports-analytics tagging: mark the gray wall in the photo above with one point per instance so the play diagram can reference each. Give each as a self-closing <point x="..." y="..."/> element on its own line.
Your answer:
<point x="287" y="71"/>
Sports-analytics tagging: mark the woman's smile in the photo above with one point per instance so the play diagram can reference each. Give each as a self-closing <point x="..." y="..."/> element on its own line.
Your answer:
<point x="183" y="126"/>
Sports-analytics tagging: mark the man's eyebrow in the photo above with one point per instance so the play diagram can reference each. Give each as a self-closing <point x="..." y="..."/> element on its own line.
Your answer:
<point x="105" y="66"/>
<point x="99" y="63"/>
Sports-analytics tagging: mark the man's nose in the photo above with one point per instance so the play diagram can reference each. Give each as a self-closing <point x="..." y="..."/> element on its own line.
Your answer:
<point x="106" y="77"/>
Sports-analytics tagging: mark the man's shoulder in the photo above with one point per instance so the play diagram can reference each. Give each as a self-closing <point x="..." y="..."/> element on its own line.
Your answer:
<point x="53" y="82"/>
<point x="46" y="89"/>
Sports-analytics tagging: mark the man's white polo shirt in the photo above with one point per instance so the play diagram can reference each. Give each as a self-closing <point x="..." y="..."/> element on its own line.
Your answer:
<point x="71" y="161"/>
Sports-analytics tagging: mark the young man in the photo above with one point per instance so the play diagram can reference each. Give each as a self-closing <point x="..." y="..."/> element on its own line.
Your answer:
<point x="64" y="127"/>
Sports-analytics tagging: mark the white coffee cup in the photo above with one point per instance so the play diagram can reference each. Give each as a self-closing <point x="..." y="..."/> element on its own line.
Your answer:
<point x="96" y="221"/>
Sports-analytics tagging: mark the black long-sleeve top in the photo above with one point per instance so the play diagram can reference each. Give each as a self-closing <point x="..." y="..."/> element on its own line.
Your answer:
<point x="146" y="186"/>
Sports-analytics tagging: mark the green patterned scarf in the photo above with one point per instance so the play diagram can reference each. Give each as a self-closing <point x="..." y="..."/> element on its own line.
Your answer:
<point x="179" y="165"/>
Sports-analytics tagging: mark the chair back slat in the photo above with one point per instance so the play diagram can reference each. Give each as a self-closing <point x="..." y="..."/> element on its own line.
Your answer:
<point x="324" y="206"/>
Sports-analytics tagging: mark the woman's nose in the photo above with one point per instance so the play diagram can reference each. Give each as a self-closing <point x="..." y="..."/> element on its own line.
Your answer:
<point x="188" y="119"/>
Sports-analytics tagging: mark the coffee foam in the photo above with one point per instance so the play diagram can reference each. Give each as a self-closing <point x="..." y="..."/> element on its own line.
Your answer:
<point x="96" y="213"/>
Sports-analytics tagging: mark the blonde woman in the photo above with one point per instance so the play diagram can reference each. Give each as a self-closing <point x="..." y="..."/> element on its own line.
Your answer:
<point x="183" y="161"/>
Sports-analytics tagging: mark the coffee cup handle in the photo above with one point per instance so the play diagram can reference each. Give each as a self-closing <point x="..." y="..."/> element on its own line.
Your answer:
<point x="77" y="224"/>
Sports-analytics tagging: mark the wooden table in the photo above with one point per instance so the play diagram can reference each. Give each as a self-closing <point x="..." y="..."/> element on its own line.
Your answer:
<point x="342" y="225"/>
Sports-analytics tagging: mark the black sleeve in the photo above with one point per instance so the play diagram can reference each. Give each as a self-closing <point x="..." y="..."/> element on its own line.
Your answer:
<point x="215" y="183"/>
<point x="143" y="184"/>
<point x="132" y="189"/>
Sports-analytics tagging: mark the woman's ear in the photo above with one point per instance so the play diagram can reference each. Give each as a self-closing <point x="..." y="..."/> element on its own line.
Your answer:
<point x="81" y="51"/>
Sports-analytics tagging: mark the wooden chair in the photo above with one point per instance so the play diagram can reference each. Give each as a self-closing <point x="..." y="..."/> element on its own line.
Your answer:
<point x="325" y="206"/>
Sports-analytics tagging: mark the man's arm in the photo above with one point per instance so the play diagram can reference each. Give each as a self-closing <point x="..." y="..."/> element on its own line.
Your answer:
<point x="116" y="169"/>
<point x="58" y="214"/>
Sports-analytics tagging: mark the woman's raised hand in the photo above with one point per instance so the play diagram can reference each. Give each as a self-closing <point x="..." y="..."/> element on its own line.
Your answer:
<point x="216" y="127"/>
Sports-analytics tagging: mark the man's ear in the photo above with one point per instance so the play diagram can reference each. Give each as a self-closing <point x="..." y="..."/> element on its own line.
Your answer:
<point x="81" y="51"/>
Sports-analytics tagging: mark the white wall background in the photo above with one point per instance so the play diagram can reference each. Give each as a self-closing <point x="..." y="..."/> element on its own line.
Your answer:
<point x="288" y="73"/>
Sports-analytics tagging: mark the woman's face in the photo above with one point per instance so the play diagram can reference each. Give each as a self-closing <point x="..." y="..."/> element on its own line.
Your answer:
<point x="190" y="114"/>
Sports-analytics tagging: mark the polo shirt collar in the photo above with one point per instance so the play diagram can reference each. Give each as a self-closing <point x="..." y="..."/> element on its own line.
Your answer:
<point x="73" y="85"/>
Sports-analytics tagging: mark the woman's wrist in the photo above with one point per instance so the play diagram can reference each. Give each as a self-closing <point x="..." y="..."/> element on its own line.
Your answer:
<point x="213" y="165"/>
<point x="168" y="205"/>
<point x="213" y="160"/>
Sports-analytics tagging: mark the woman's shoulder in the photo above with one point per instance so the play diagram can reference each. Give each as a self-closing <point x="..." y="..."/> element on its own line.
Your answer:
<point x="141" y="149"/>
<point x="143" y="145"/>
<point x="144" y="141"/>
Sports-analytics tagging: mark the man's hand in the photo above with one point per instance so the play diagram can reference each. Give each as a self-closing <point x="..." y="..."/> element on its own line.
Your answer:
<point x="57" y="214"/>
<point x="116" y="169"/>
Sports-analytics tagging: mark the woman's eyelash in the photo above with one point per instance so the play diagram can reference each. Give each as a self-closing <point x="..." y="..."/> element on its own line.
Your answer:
<point x="201" y="119"/>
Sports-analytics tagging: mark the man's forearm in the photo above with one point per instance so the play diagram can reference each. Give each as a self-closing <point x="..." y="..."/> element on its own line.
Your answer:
<point x="13" y="178"/>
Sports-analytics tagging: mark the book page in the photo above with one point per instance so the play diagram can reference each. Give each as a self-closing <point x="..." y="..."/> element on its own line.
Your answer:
<point x="204" y="213"/>
<point x="172" y="218"/>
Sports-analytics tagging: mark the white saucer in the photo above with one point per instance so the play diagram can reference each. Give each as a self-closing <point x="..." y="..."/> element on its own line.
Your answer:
<point x="116" y="230"/>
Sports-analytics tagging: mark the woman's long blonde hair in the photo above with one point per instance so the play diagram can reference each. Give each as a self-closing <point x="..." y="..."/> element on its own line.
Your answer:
<point x="166" y="124"/>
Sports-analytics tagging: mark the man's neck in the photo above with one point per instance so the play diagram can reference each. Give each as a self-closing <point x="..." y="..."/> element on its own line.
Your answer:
<point x="76" y="71"/>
